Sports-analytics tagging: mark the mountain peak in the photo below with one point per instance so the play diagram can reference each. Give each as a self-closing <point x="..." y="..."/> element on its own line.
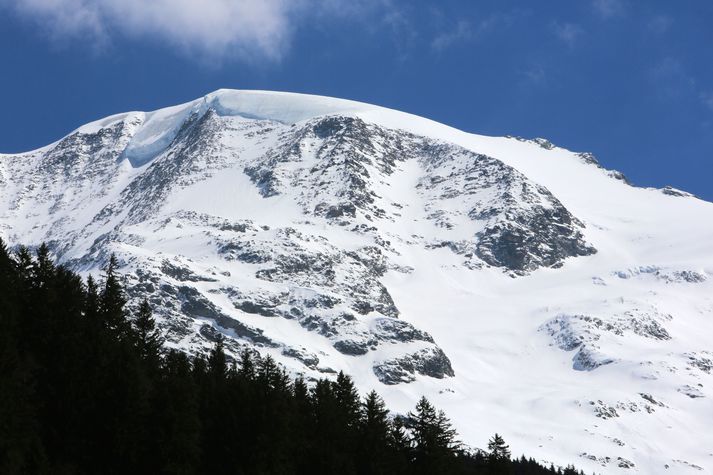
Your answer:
<point x="493" y="275"/>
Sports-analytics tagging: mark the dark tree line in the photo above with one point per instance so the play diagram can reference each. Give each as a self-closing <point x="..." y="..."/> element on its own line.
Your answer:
<point x="87" y="389"/>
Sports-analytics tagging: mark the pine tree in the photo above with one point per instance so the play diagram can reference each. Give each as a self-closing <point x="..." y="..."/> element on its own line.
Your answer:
<point x="330" y="431"/>
<point x="8" y="280"/>
<point x="21" y="450"/>
<point x="300" y="392"/>
<point x="347" y="398"/>
<point x="434" y="438"/>
<point x="91" y="300"/>
<point x="301" y="422"/>
<point x="374" y="430"/>
<point x="112" y="301"/>
<point x="270" y="377"/>
<point x="399" y="447"/>
<point x="272" y="439"/>
<point x="176" y="408"/>
<point x="374" y="417"/>
<point x="199" y="369"/>
<point x="24" y="263"/>
<point x="6" y="262"/>
<point x="43" y="267"/>
<point x="247" y="365"/>
<point x="218" y="362"/>
<point x="149" y="339"/>
<point x="498" y="448"/>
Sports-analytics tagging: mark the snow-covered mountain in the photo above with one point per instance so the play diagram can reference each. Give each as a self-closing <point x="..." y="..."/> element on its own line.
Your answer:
<point x="520" y="286"/>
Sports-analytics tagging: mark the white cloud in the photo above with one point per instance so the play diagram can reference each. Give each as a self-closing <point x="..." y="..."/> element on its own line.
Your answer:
<point x="674" y="82"/>
<point x="536" y="75"/>
<point x="243" y="28"/>
<point x="660" y="24"/>
<point x="669" y="71"/>
<point x="568" y="33"/>
<point x="461" y="32"/>
<point x="608" y="8"/>
<point x="707" y="99"/>
<point x="465" y="30"/>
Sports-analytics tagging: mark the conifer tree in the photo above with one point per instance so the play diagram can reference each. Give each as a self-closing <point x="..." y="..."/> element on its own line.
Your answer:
<point x="433" y="437"/>
<point x="270" y="377"/>
<point x="301" y="392"/>
<point x="301" y="422"/>
<point x="177" y="418"/>
<point x="6" y="262"/>
<point x="24" y="264"/>
<point x="399" y="447"/>
<point x="498" y="448"/>
<point x="247" y="365"/>
<point x="43" y="267"/>
<point x="374" y="416"/>
<point x="8" y="280"/>
<point x="347" y="398"/>
<point x="330" y="431"/>
<point x="149" y="339"/>
<point x="112" y="301"/>
<point x="374" y="430"/>
<point x="216" y="413"/>
<point x="199" y="368"/>
<point x="21" y="450"/>
<point x="91" y="300"/>
<point x="218" y="362"/>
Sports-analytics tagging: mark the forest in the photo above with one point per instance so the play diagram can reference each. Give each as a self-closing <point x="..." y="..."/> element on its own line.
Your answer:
<point x="88" y="387"/>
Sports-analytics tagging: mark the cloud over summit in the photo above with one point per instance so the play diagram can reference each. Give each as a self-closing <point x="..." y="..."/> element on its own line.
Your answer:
<point x="242" y="28"/>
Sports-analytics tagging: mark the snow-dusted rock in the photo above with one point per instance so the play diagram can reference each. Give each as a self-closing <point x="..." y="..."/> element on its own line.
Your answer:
<point x="522" y="287"/>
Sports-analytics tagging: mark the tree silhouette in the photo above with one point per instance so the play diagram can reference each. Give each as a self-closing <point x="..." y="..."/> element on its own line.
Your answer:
<point x="83" y="391"/>
<point x="498" y="448"/>
<point x="434" y="438"/>
<point x="148" y="337"/>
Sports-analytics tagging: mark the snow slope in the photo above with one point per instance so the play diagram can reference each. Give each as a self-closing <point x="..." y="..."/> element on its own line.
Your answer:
<point x="520" y="286"/>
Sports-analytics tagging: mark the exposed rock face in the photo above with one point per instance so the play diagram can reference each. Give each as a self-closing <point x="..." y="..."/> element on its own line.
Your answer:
<point x="589" y="158"/>
<point x="522" y="226"/>
<point x="667" y="275"/>
<point x="584" y="332"/>
<point x="331" y="169"/>
<point x="517" y="225"/>
<point x="334" y="293"/>
<point x="429" y="362"/>
<point x="671" y="191"/>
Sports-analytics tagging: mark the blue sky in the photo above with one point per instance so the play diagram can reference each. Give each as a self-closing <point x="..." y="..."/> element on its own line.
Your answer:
<point x="631" y="81"/>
